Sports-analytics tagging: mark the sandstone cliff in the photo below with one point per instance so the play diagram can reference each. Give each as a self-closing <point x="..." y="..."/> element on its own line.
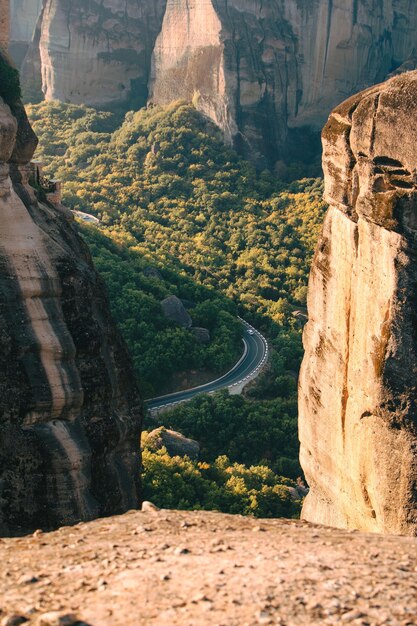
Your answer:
<point x="358" y="393"/>
<point x="98" y="53"/>
<point x="69" y="414"/>
<point x="264" y="72"/>
<point x="24" y="15"/>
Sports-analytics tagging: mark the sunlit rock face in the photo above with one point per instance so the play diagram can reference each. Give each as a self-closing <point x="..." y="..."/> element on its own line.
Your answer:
<point x="264" y="70"/>
<point x="69" y="411"/>
<point x="358" y="392"/>
<point x="98" y="52"/>
<point x="268" y="73"/>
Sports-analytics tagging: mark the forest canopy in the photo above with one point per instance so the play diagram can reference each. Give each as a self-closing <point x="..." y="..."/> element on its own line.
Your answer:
<point x="223" y="237"/>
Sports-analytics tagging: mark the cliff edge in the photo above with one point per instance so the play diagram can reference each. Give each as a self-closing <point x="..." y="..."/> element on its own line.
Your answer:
<point x="358" y="393"/>
<point x="69" y="413"/>
<point x="177" y="568"/>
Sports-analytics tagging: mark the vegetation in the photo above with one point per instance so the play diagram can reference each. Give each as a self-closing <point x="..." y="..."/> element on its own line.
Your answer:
<point x="246" y="432"/>
<point x="10" y="90"/>
<point x="179" y="483"/>
<point x="170" y="194"/>
<point x="158" y="346"/>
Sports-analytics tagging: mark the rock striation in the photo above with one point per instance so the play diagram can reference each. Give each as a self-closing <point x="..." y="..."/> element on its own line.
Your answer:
<point x="268" y="73"/>
<point x="69" y="412"/>
<point x="98" y="52"/>
<point x="358" y="393"/>
<point x="264" y="70"/>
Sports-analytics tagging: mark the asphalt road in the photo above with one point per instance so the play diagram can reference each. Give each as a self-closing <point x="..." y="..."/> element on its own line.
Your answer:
<point x="254" y="356"/>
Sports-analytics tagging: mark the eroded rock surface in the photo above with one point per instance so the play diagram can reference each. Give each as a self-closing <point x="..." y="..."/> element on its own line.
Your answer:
<point x="98" y="52"/>
<point x="358" y="393"/>
<point x="262" y="70"/>
<point x="265" y="72"/>
<point x="69" y="411"/>
<point x="175" y="443"/>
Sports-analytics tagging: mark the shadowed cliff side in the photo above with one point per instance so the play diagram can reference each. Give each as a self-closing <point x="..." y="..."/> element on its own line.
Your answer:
<point x="358" y="393"/>
<point x="69" y="413"/>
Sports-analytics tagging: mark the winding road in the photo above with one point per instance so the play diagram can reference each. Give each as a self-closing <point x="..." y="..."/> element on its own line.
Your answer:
<point x="254" y="356"/>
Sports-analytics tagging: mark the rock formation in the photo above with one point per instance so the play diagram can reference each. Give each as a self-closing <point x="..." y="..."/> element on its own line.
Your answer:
<point x="69" y="412"/>
<point x="24" y="17"/>
<point x="174" y="310"/>
<point x="174" y="443"/>
<point x="98" y="53"/>
<point x="358" y="392"/>
<point x="263" y="71"/>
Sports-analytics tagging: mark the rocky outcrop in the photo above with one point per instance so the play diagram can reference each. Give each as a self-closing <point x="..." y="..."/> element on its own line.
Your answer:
<point x="98" y="53"/>
<point x="358" y="393"/>
<point x="69" y="412"/>
<point x="265" y="72"/>
<point x="196" y="565"/>
<point x="174" y="443"/>
<point x="175" y="311"/>
<point x="201" y="334"/>
<point x="262" y="70"/>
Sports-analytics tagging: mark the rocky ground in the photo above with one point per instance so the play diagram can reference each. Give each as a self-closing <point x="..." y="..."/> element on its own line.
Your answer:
<point x="193" y="568"/>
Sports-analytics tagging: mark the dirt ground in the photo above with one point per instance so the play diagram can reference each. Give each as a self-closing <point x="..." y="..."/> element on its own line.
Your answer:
<point x="194" y="568"/>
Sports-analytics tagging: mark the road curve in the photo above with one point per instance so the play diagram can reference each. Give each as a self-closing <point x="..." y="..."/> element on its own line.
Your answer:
<point x="254" y="357"/>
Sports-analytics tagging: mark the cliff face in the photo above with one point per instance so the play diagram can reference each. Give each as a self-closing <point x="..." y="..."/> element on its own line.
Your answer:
<point x="261" y="71"/>
<point x="24" y="15"/>
<point x="358" y="394"/>
<point x="69" y="416"/>
<point x="98" y="52"/>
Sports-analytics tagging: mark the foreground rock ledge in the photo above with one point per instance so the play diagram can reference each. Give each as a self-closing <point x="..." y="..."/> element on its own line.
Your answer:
<point x="358" y="392"/>
<point x="194" y="568"/>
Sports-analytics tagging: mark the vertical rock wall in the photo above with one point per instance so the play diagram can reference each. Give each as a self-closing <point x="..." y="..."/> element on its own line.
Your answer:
<point x="4" y="24"/>
<point x="98" y="53"/>
<point x="278" y="68"/>
<point x="69" y="411"/>
<point x="24" y="15"/>
<point x="358" y="393"/>
<point x="268" y="73"/>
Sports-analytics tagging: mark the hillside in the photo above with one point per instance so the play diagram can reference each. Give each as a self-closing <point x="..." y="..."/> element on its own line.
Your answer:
<point x="169" y="194"/>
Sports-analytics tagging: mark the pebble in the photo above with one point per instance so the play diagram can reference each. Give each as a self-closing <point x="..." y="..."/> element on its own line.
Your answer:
<point x="55" y="618"/>
<point x="350" y="616"/>
<point x="149" y="506"/>
<point x="27" y="580"/>
<point x="13" y="620"/>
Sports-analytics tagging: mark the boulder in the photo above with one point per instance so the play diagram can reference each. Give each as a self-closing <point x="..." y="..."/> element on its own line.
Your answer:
<point x="175" y="443"/>
<point x="152" y="272"/>
<point x="174" y="310"/>
<point x="201" y="334"/>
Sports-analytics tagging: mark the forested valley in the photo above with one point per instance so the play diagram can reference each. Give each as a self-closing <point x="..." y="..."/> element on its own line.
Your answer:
<point x="182" y="214"/>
